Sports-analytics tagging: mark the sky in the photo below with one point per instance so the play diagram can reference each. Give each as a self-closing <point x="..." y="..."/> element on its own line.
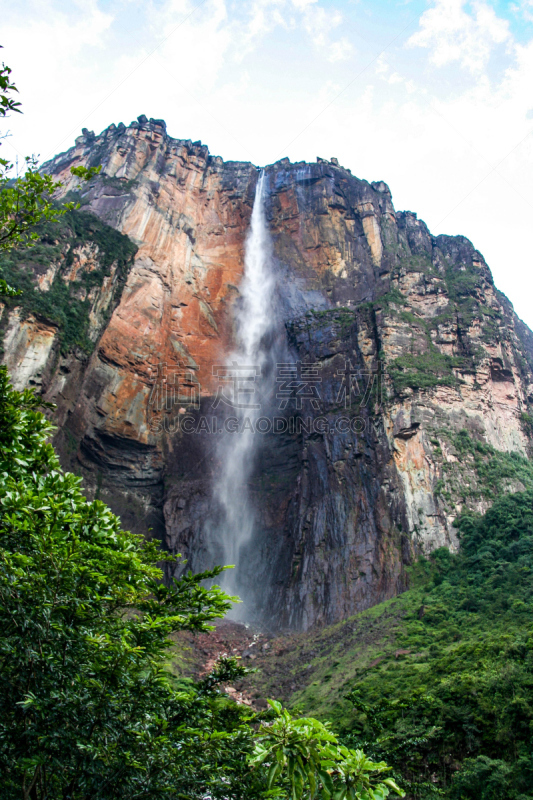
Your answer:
<point x="433" y="97"/>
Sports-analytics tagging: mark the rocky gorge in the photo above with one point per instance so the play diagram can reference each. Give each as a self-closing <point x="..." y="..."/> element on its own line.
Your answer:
<point x="410" y="376"/>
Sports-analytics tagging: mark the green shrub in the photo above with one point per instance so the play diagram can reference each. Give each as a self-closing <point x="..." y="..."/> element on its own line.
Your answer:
<point x="424" y="371"/>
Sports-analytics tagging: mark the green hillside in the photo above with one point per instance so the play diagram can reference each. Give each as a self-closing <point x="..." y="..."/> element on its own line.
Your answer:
<point x="439" y="681"/>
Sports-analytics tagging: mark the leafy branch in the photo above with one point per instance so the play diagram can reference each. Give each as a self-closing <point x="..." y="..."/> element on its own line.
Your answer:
<point x="308" y="758"/>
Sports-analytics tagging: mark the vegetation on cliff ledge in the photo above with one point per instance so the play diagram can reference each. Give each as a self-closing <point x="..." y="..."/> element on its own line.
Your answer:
<point x="66" y="303"/>
<point x="480" y="472"/>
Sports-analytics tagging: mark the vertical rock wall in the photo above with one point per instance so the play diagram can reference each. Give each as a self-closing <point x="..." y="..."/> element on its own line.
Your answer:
<point x="358" y="482"/>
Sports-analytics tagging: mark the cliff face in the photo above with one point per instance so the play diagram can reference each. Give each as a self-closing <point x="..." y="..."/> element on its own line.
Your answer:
<point x="421" y="384"/>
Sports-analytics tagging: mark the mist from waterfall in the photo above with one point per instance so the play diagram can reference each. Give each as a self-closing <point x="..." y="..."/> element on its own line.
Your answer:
<point x="255" y="322"/>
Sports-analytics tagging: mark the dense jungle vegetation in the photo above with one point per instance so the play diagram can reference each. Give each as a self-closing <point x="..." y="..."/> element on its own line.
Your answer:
<point x="439" y="681"/>
<point x="457" y="710"/>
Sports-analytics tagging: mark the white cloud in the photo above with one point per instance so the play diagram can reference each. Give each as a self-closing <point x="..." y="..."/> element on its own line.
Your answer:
<point x="453" y="34"/>
<point x="384" y="71"/>
<point x="319" y="23"/>
<point x="78" y="67"/>
<point x="525" y="8"/>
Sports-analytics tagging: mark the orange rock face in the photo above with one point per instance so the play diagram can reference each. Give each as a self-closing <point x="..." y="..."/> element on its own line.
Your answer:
<point x="189" y="214"/>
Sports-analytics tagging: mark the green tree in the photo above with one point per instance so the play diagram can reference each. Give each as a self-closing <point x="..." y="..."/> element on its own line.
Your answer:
<point x="26" y="200"/>
<point x="88" y="707"/>
<point x="305" y="757"/>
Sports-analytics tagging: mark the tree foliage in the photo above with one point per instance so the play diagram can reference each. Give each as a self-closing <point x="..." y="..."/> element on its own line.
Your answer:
<point x="456" y="712"/>
<point x="27" y="199"/>
<point x="87" y="707"/>
<point x="7" y="104"/>
<point x="306" y="757"/>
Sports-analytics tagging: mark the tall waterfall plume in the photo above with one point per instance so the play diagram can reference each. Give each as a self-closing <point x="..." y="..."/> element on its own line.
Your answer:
<point x="251" y="368"/>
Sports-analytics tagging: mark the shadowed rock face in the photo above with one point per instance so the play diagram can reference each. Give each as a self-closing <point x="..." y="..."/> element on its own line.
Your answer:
<point x="352" y="489"/>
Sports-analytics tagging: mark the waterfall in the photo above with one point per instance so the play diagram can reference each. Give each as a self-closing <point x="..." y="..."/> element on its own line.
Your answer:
<point x="249" y="367"/>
